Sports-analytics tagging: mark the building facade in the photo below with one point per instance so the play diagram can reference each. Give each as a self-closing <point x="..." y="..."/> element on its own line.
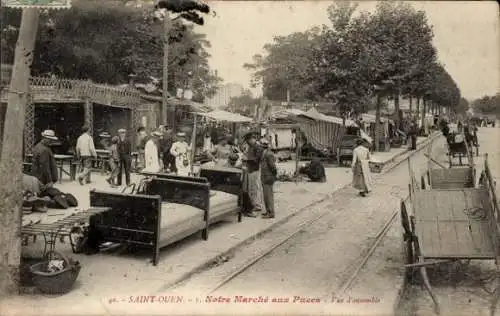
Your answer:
<point x="224" y="95"/>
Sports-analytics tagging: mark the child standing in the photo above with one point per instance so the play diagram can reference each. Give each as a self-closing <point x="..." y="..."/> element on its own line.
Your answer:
<point x="114" y="161"/>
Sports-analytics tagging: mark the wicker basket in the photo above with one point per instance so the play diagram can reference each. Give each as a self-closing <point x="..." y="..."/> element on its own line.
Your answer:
<point x="59" y="282"/>
<point x="376" y="167"/>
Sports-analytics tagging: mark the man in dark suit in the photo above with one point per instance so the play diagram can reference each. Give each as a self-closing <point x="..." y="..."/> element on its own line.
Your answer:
<point x="44" y="166"/>
<point x="124" y="153"/>
<point x="268" y="176"/>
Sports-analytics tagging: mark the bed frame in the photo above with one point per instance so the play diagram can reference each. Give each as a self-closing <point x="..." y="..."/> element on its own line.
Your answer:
<point x="135" y="219"/>
<point x="223" y="179"/>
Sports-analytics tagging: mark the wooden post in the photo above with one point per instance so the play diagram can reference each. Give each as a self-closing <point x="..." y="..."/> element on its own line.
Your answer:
<point x="11" y="158"/>
<point x="297" y="153"/>
<point x="193" y="143"/>
<point x="377" y="122"/>
<point x="89" y="115"/>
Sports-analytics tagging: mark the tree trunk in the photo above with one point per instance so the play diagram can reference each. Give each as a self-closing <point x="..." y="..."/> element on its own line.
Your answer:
<point x="424" y="111"/>
<point x="418" y="108"/>
<point x="398" y="113"/>
<point x="11" y="159"/>
<point x="377" y="122"/>
<point x="411" y="104"/>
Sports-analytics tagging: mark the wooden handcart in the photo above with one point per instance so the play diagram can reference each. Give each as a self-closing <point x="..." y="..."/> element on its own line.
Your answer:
<point x="453" y="224"/>
<point x="460" y="150"/>
<point x="448" y="178"/>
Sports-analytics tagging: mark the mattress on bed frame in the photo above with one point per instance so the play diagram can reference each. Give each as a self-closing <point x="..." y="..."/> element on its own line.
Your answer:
<point x="177" y="218"/>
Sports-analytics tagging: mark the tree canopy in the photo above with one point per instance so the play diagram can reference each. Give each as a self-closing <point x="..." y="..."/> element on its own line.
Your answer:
<point x="106" y="41"/>
<point x="359" y="55"/>
<point x="487" y="105"/>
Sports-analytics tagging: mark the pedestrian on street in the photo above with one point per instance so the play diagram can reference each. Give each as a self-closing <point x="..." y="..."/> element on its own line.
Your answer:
<point x="168" y="159"/>
<point x="180" y="150"/>
<point x="362" y="179"/>
<point x="85" y="151"/>
<point x="152" y="153"/>
<point x="114" y="161"/>
<point x="269" y="174"/>
<point x="142" y="138"/>
<point x="43" y="165"/>
<point x="125" y="153"/>
<point x="413" y="131"/>
<point x="252" y="160"/>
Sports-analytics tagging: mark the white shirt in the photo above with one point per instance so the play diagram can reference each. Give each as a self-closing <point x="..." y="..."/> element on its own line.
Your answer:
<point x="360" y="153"/>
<point x="151" y="157"/>
<point x="85" y="146"/>
<point x="180" y="150"/>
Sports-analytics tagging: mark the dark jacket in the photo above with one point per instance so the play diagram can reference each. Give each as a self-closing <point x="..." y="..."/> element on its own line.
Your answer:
<point x="253" y="158"/>
<point x="268" y="172"/>
<point x="124" y="148"/>
<point x="44" y="164"/>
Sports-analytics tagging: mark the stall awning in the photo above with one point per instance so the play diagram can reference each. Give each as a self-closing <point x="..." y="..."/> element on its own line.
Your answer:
<point x="224" y="116"/>
<point x="315" y="115"/>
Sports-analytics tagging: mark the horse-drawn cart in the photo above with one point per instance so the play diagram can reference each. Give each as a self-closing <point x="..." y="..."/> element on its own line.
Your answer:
<point x="451" y="224"/>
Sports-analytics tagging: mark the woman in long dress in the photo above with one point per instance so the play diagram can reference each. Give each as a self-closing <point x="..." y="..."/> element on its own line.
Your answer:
<point x="180" y="150"/>
<point x="362" y="179"/>
<point x="151" y="153"/>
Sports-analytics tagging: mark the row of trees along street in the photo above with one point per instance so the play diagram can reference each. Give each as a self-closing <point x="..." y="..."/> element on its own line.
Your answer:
<point x="360" y="57"/>
<point x="489" y="105"/>
<point x="106" y="42"/>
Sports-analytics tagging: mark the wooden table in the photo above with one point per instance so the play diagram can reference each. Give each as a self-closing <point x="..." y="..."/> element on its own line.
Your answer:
<point x="61" y="160"/>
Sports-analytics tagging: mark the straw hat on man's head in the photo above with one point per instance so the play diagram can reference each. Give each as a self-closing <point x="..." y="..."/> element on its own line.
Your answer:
<point x="181" y="134"/>
<point x="105" y="135"/>
<point x="157" y="133"/>
<point x="49" y="134"/>
<point x="122" y="131"/>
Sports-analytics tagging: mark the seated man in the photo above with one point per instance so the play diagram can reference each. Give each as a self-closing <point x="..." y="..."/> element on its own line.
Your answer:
<point x="32" y="188"/>
<point x="314" y="170"/>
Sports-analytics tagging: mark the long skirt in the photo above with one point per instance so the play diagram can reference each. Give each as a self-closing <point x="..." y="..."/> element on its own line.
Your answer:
<point x="362" y="179"/>
<point x="254" y="189"/>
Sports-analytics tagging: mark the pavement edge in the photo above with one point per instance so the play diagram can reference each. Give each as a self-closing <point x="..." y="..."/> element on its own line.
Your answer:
<point x="208" y="262"/>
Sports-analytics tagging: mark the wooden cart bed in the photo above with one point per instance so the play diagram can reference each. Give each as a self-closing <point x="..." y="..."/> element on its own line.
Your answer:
<point x="452" y="178"/>
<point x="454" y="224"/>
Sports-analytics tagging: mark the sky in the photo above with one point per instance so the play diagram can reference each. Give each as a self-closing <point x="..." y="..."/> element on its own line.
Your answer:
<point x="467" y="36"/>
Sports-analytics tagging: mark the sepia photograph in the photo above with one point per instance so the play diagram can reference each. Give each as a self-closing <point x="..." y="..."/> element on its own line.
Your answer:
<point x="202" y="157"/>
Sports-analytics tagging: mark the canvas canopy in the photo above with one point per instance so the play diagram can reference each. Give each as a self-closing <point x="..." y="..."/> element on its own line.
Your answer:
<point x="224" y="116"/>
<point x="315" y="115"/>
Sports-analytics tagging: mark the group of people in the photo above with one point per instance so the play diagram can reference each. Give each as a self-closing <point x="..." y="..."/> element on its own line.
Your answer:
<point x="162" y="152"/>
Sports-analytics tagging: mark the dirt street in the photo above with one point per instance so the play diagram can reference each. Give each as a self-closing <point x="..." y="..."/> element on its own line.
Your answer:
<point x="312" y="265"/>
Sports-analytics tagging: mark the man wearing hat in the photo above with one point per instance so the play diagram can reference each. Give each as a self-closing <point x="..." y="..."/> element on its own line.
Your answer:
<point x="151" y="153"/>
<point x="166" y="145"/>
<point x="180" y="150"/>
<point x="85" y="150"/>
<point x="44" y="166"/>
<point x="125" y="155"/>
<point x="269" y="174"/>
<point x="253" y="181"/>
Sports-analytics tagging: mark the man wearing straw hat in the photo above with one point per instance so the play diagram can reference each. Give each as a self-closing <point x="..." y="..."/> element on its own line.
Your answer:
<point x="44" y="166"/>
<point x="180" y="150"/>
<point x="151" y="153"/>
<point x="85" y="150"/>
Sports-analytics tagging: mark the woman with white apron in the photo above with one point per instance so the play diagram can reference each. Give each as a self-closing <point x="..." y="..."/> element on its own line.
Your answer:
<point x="180" y="150"/>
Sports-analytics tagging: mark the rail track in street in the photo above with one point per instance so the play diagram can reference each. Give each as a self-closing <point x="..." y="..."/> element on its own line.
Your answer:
<point x="213" y="280"/>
